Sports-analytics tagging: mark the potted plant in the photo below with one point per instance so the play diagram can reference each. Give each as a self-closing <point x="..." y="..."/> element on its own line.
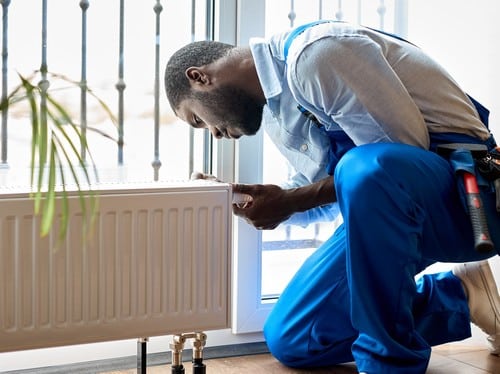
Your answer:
<point x="57" y="147"/>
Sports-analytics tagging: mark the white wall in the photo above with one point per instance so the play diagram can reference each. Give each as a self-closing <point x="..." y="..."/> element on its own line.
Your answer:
<point x="463" y="36"/>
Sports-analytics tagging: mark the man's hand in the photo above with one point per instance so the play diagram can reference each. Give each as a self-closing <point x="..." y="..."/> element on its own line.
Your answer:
<point x="199" y="175"/>
<point x="269" y="206"/>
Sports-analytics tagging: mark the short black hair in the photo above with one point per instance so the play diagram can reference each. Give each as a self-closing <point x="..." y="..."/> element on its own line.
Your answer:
<point x="194" y="54"/>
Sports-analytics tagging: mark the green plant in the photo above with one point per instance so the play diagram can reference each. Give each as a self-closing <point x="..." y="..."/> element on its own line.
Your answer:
<point x="56" y="148"/>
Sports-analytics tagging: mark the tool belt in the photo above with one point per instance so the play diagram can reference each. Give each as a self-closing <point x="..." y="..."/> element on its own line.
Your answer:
<point x="489" y="168"/>
<point x="488" y="165"/>
<point x="470" y="161"/>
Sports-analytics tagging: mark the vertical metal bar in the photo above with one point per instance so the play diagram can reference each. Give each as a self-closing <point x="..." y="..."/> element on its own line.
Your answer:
<point x="339" y="14"/>
<point x="193" y="20"/>
<point x="156" y="161"/>
<point x="292" y="15"/>
<point x="320" y="10"/>
<point x="44" y="83"/>
<point x="5" y="53"/>
<point x="142" y="355"/>
<point x="44" y="65"/>
<point x="120" y="85"/>
<point x="84" y="5"/>
<point x="191" y="130"/>
<point x="401" y="18"/>
<point x="208" y="138"/>
<point x="381" y="9"/>
<point x="360" y="13"/>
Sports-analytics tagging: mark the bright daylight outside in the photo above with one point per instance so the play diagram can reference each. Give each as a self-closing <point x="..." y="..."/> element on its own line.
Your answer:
<point x="64" y="56"/>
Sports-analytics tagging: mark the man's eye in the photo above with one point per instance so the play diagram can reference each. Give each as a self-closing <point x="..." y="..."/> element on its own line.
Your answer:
<point x="197" y="122"/>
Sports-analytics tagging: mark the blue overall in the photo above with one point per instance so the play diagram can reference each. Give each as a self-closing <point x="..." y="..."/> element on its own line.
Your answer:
<point x="355" y="297"/>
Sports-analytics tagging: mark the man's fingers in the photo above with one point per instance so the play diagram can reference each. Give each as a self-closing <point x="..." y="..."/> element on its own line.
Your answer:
<point x="242" y="199"/>
<point x="198" y="175"/>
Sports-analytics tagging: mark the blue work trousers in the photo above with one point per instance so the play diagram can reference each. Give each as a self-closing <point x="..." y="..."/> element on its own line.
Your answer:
<point x="356" y="298"/>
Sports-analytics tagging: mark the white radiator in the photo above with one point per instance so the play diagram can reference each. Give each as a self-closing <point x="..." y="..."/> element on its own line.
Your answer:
<point x="157" y="262"/>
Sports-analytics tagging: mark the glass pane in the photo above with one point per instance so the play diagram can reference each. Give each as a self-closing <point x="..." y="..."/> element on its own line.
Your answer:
<point x="285" y="248"/>
<point x="178" y="26"/>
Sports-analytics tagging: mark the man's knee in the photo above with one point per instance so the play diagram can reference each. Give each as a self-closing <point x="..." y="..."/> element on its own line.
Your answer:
<point x="356" y="170"/>
<point x="277" y="344"/>
<point x="372" y="167"/>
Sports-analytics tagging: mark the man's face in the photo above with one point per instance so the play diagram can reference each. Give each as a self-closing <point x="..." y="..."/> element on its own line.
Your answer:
<point x="226" y="111"/>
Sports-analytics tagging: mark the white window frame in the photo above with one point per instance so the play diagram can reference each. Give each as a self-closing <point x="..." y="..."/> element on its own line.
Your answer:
<point x="248" y="311"/>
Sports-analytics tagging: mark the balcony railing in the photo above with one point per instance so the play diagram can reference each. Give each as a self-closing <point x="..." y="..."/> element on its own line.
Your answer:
<point x="388" y="15"/>
<point x="116" y="49"/>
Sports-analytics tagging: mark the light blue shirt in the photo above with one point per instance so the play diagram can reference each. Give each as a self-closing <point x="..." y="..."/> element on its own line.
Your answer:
<point x="373" y="87"/>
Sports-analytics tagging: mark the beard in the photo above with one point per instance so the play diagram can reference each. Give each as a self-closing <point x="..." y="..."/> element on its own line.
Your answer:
<point x="233" y="108"/>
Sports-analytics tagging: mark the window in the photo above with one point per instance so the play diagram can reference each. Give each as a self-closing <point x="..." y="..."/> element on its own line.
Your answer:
<point x="265" y="261"/>
<point x="106" y="65"/>
<point x="462" y="57"/>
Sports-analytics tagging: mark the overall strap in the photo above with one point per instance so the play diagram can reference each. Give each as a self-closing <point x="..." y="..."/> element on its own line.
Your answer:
<point x="297" y="31"/>
<point x="300" y="29"/>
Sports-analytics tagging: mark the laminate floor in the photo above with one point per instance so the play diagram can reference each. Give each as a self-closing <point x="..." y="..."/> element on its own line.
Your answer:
<point x="446" y="359"/>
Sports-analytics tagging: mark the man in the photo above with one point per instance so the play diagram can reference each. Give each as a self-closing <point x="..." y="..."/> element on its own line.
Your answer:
<point x="359" y="115"/>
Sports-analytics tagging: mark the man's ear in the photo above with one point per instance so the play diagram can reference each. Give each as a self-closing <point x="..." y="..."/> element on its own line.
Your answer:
<point x="197" y="76"/>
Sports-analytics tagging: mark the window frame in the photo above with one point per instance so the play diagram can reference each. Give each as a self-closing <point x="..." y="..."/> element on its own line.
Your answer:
<point x="248" y="311"/>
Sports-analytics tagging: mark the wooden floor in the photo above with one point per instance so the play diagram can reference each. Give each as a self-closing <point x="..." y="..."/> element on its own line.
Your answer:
<point x="446" y="359"/>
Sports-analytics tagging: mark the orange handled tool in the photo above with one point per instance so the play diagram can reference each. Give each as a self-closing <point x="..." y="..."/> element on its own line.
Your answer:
<point x="482" y="240"/>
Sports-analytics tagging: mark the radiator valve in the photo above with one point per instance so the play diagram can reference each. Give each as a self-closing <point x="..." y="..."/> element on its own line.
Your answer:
<point x="177" y="346"/>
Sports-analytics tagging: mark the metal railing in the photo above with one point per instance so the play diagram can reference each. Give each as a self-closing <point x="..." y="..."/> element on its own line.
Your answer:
<point x="382" y="14"/>
<point x="48" y="16"/>
<point x="5" y="62"/>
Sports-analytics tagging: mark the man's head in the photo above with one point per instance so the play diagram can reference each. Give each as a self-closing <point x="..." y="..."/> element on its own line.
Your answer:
<point x="203" y="86"/>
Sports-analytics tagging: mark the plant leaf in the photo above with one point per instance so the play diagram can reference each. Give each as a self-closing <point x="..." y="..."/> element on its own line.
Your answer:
<point x="35" y="138"/>
<point x="101" y="102"/>
<point x="69" y="143"/>
<point x="74" y="173"/>
<point x="64" y="202"/>
<point x="43" y="142"/>
<point x="68" y="148"/>
<point x="49" y="204"/>
<point x="53" y="144"/>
